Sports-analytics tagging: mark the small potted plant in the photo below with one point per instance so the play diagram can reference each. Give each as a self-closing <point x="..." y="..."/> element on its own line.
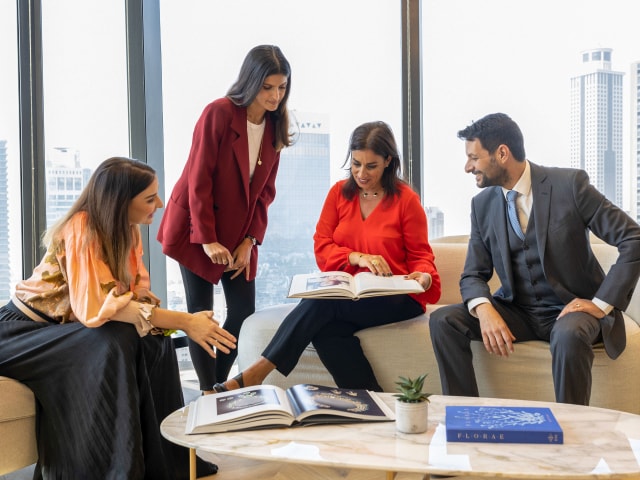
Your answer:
<point x="412" y="405"/>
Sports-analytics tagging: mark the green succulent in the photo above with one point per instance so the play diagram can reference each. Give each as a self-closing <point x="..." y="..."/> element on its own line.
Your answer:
<point x="411" y="390"/>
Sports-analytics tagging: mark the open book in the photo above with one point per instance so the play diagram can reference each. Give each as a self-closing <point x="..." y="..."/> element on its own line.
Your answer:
<point x="264" y="406"/>
<point x="345" y="285"/>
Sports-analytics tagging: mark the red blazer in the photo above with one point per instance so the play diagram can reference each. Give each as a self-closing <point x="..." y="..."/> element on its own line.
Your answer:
<point x="213" y="200"/>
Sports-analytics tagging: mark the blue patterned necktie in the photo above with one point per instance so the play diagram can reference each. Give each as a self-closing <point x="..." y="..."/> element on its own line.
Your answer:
<point x="513" y="213"/>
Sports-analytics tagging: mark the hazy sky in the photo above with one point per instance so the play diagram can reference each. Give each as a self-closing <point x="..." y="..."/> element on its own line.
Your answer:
<point x="516" y="57"/>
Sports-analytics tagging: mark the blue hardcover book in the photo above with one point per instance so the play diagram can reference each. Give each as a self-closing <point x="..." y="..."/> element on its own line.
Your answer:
<point x="502" y="425"/>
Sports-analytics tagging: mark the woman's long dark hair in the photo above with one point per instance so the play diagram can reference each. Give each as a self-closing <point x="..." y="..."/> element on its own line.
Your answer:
<point x="260" y="62"/>
<point x="106" y="199"/>
<point x="377" y="137"/>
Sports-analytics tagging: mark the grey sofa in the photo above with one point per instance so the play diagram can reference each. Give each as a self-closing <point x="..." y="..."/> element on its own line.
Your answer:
<point x="405" y="348"/>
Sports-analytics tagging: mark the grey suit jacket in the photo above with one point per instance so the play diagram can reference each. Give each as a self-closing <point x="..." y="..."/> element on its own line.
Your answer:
<point x="566" y="207"/>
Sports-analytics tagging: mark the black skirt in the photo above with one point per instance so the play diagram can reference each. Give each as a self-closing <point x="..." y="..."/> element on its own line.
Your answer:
<point x="101" y="394"/>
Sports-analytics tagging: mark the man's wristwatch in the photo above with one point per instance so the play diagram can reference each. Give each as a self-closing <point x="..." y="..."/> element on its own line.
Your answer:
<point x="252" y="238"/>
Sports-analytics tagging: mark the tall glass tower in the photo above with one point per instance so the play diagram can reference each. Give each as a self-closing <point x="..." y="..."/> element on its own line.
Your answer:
<point x="5" y="264"/>
<point x="65" y="181"/>
<point x="301" y="186"/>
<point x="635" y="135"/>
<point x="596" y="123"/>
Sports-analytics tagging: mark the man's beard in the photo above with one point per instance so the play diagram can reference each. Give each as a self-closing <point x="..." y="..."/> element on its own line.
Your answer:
<point x="499" y="179"/>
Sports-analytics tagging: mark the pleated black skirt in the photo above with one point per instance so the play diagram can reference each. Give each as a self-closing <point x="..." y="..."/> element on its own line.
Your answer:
<point x="101" y="394"/>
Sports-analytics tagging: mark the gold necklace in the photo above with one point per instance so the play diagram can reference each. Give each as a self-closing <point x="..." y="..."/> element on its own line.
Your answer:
<point x="252" y="132"/>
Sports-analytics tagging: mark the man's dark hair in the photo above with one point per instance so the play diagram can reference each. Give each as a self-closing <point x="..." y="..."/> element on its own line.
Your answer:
<point x="494" y="130"/>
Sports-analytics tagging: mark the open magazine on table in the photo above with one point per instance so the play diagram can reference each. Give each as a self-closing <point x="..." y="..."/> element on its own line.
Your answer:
<point x="265" y="406"/>
<point x="344" y="285"/>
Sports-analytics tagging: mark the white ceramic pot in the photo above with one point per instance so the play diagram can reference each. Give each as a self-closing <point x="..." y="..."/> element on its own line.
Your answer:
<point x="412" y="417"/>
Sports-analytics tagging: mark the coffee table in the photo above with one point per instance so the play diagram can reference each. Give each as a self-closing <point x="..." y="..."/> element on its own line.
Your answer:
<point x="598" y="443"/>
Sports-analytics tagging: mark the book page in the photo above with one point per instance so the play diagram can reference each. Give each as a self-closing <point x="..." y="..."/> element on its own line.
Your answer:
<point x="316" y="401"/>
<point x="210" y="413"/>
<point x="336" y="284"/>
<point x="369" y="284"/>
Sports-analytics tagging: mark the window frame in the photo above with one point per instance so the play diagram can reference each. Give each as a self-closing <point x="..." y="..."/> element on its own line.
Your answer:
<point x="145" y="115"/>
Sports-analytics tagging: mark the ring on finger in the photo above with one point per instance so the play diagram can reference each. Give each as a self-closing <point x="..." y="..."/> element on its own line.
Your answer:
<point x="374" y="263"/>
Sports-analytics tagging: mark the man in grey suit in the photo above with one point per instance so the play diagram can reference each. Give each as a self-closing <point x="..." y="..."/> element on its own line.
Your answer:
<point x="552" y="287"/>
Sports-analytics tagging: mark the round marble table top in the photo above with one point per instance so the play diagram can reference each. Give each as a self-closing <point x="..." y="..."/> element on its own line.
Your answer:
<point x="598" y="443"/>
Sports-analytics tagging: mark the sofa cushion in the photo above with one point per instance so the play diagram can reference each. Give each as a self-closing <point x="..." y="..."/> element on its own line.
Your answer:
<point x="17" y="426"/>
<point x="257" y="331"/>
<point x="526" y="374"/>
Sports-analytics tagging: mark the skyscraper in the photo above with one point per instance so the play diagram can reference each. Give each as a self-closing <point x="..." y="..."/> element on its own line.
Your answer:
<point x="5" y="264"/>
<point x="435" y="219"/>
<point x="596" y="122"/>
<point x="635" y="136"/>
<point x="301" y="186"/>
<point x="65" y="181"/>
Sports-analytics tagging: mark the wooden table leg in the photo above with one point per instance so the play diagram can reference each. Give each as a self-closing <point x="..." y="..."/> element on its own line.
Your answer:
<point x="391" y="475"/>
<point x="192" y="464"/>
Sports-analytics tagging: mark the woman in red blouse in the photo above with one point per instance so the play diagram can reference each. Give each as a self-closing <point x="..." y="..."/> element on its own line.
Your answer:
<point x="371" y="221"/>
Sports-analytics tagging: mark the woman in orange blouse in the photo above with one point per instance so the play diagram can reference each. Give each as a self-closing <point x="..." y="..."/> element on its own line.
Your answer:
<point x="86" y="334"/>
<point x="372" y="221"/>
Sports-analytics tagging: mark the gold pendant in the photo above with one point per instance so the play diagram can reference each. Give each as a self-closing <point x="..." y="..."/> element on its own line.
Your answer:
<point x="259" y="162"/>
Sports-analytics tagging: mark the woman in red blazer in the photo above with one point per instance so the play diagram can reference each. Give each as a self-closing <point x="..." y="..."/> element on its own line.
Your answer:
<point x="217" y="212"/>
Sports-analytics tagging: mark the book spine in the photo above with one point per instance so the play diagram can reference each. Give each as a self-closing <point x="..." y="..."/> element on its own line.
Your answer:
<point x="504" y="436"/>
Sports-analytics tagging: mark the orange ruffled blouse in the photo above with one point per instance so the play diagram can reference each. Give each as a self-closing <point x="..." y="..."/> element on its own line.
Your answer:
<point x="73" y="284"/>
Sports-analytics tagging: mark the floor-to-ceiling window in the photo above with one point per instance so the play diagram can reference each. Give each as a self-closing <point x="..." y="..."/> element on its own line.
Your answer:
<point x="518" y="58"/>
<point x="10" y="209"/>
<point x="478" y="57"/>
<point x="85" y="94"/>
<point x="346" y="70"/>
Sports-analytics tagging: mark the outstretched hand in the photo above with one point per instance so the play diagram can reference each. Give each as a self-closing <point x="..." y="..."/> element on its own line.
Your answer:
<point x="206" y="332"/>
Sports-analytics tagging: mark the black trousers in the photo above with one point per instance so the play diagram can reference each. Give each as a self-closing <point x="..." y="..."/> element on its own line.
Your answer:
<point x="330" y="325"/>
<point x="570" y="338"/>
<point x="101" y="394"/>
<point x="240" y="296"/>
